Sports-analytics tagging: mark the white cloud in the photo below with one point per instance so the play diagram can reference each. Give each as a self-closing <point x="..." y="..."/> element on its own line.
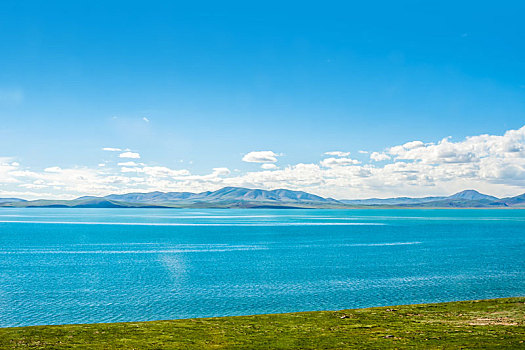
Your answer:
<point x="334" y="162"/>
<point x="153" y="171"/>
<point x="131" y="170"/>
<point x="363" y="152"/>
<point x="473" y="149"/>
<point x="128" y="164"/>
<point x="111" y="149"/>
<point x="378" y="157"/>
<point x="7" y="167"/>
<point x="129" y="155"/>
<point x="269" y="166"/>
<point x="337" y="153"/>
<point x="160" y="171"/>
<point x="494" y="164"/>
<point x="260" y="157"/>
<point x="33" y="186"/>
<point x="66" y="182"/>
<point x="221" y="171"/>
<point x="145" y="119"/>
<point x="413" y="144"/>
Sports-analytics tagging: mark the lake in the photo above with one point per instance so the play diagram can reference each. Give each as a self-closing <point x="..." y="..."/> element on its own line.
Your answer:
<point x="62" y="266"/>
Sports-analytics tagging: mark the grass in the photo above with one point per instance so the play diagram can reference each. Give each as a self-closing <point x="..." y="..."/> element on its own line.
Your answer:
<point x="495" y="323"/>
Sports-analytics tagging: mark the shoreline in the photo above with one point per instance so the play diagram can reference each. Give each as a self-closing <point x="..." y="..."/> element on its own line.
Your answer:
<point x="283" y="208"/>
<point x="489" y="323"/>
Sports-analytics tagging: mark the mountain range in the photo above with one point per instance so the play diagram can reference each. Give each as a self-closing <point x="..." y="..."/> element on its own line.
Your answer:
<point x="238" y="197"/>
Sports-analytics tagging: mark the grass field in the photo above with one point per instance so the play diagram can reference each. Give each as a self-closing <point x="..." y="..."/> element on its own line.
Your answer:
<point x="496" y="323"/>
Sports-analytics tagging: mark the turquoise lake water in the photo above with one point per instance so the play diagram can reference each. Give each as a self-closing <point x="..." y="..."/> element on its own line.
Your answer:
<point x="62" y="266"/>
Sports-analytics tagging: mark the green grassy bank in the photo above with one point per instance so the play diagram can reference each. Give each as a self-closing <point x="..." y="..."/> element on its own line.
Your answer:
<point x="496" y="323"/>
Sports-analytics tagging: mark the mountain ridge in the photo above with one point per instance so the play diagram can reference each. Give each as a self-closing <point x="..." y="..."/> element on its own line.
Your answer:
<point x="240" y="197"/>
<point x="225" y="194"/>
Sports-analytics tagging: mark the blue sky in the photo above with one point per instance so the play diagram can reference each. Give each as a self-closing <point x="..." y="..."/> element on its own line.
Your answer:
<point x="198" y="85"/>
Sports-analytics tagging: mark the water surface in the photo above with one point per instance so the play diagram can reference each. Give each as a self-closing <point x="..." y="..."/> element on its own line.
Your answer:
<point x="62" y="266"/>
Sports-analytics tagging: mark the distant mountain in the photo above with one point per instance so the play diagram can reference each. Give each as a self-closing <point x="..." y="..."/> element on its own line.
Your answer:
<point x="458" y="203"/>
<point x="245" y="194"/>
<point x="11" y="200"/>
<point x="94" y="202"/>
<point x="227" y="196"/>
<point x="463" y="199"/>
<point x="517" y="201"/>
<point x="151" y="197"/>
<point x="391" y="201"/>
<point x="82" y="202"/>
<point x="239" y="197"/>
<point x="472" y="195"/>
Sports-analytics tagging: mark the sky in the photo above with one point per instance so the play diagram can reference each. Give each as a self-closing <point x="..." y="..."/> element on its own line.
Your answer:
<point x="337" y="98"/>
